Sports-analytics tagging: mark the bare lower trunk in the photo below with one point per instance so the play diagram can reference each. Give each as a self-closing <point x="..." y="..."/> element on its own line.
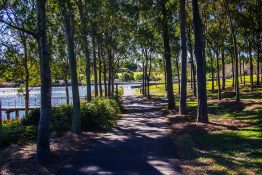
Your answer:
<point x="212" y="73"/>
<point x="43" y="147"/>
<point x="218" y="77"/>
<point x="67" y="91"/>
<point x="67" y="12"/>
<point x="167" y="56"/>
<point x="251" y="69"/>
<point x="183" y="91"/>
<point x="85" y="46"/>
<point x="100" y="73"/>
<point x="201" y="76"/>
<point x="223" y="70"/>
<point x="94" y="65"/>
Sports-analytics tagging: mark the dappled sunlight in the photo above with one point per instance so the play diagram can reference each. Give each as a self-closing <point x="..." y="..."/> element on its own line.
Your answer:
<point x="140" y="144"/>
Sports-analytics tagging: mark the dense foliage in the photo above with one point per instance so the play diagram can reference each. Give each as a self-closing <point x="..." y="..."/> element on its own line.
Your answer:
<point x="99" y="114"/>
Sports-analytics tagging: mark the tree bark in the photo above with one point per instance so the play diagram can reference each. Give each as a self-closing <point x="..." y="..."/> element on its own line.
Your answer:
<point x="201" y="76"/>
<point x="212" y="73"/>
<point x="25" y="64"/>
<point x="218" y="76"/>
<point x="183" y="95"/>
<point x="67" y="12"/>
<point x="258" y="66"/>
<point x="192" y="61"/>
<point x="85" y="44"/>
<point x="100" y="72"/>
<point x="232" y="28"/>
<point x="94" y="63"/>
<point x="167" y="56"/>
<point x="251" y="68"/>
<point x="223" y="69"/>
<point x="43" y="147"/>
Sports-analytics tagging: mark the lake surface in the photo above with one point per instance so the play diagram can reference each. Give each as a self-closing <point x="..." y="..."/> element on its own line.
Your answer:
<point x="10" y="97"/>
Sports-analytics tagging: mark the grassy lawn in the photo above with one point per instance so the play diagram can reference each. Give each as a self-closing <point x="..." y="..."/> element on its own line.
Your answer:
<point x="231" y="143"/>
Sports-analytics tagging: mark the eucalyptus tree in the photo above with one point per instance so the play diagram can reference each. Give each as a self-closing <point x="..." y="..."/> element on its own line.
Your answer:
<point x="83" y="13"/>
<point x="167" y="55"/>
<point x="202" y="115"/>
<point x="183" y="95"/>
<point x="40" y="34"/>
<point x="67" y="12"/>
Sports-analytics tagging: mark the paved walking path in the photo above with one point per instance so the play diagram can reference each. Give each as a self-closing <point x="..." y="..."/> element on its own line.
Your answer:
<point x="139" y="145"/>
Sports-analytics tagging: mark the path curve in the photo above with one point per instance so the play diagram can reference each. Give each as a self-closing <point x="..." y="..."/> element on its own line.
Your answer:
<point x="139" y="145"/>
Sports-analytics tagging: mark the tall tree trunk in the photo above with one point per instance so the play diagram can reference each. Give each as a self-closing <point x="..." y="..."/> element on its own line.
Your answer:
<point x="149" y="75"/>
<point x="67" y="91"/>
<point x="183" y="95"/>
<point x="251" y="68"/>
<point x="258" y="66"/>
<point x="233" y="71"/>
<point x="212" y="72"/>
<point x="94" y="63"/>
<point x="232" y="28"/>
<point x="218" y="76"/>
<point x="200" y="60"/>
<point x="178" y="75"/>
<point x="85" y="46"/>
<point x="167" y="56"/>
<point x="244" y="72"/>
<point x="25" y="64"/>
<point x="67" y="12"/>
<point x="192" y="60"/>
<point x="223" y="69"/>
<point x="43" y="147"/>
<point x="240" y="71"/>
<point x="110" y="60"/>
<point x="105" y="83"/>
<point x="100" y="72"/>
<point x="143" y="78"/>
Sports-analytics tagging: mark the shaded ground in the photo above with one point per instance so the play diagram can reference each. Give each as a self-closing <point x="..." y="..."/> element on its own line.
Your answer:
<point x="229" y="144"/>
<point x="139" y="145"/>
<point x="21" y="159"/>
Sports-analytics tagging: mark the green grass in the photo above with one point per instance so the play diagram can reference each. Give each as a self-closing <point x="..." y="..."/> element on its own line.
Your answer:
<point x="234" y="149"/>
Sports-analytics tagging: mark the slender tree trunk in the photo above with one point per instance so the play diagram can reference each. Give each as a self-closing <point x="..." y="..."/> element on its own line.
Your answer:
<point x="212" y="73"/>
<point x="67" y="91"/>
<point x="192" y="61"/>
<point x="94" y="63"/>
<point x="240" y="71"/>
<point x="251" y="68"/>
<point x="25" y="64"/>
<point x="232" y="28"/>
<point x="100" y="72"/>
<point x="110" y="60"/>
<point x="149" y="75"/>
<point x="218" y="76"/>
<point x="105" y="83"/>
<point x="67" y="12"/>
<point x="233" y="71"/>
<point x="85" y="46"/>
<point x="167" y="56"/>
<point x="201" y="76"/>
<point x="258" y="66"/>
<point x="43" y="147"/>
<point x="183" y="95"/>
<point x="143" y="78"/>
<point x="223" y="69"/>
<point x="178" y="75"/>
<point x="244" y="72"/>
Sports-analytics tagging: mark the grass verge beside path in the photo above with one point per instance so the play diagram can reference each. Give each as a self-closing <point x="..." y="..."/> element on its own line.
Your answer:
<point x="231" y="143"/>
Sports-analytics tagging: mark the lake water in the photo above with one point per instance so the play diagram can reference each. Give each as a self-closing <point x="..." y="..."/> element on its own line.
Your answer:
<point x="10" y="97"/>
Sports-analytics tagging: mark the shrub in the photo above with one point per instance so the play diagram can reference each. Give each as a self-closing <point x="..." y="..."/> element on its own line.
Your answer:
<point x="15" y="132"/>
<point x="127" y="76"/>
<point x="99" y="114"/>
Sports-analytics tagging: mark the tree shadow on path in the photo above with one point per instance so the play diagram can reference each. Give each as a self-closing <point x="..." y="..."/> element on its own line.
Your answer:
<point x="139" y="145"/>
